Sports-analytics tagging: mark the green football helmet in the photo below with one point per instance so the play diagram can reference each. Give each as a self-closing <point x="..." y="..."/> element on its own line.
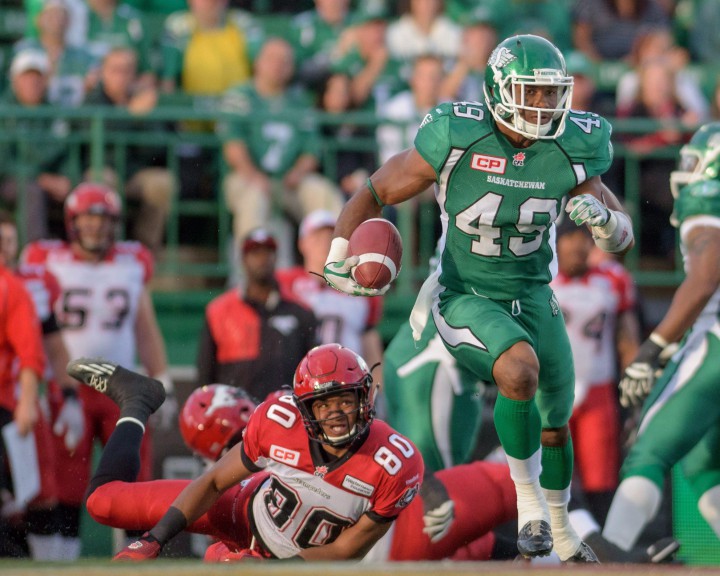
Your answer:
<point x="520" y="61"/>
<point x="699" y="158"/>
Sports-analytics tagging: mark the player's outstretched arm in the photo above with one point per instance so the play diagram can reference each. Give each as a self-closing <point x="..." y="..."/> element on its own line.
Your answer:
<point x="403" y="176"/>
<point x="195" y="499"/>
<point x="353" y="543"/>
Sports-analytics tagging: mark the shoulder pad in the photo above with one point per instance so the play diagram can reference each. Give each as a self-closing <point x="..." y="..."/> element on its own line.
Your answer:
<point x="585" y="132"/>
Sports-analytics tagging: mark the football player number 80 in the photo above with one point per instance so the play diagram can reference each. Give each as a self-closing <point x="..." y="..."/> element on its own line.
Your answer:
<point x="388" y="459"/>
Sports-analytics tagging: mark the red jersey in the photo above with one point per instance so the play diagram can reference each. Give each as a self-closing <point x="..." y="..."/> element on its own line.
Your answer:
<point x="20" y="336"/>
<point x="308" y="501"/>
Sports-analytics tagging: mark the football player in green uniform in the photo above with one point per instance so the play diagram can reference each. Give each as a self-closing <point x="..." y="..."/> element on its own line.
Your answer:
<point x="501" y="171"/>
<point x="681" y="417"/>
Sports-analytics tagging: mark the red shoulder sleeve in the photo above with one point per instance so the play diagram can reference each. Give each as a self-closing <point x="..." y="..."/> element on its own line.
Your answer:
<point x="33" y="253"/>
<point x="148" y="262"/>
<point x="25" y="335"/>
<point x="403" y="473"/>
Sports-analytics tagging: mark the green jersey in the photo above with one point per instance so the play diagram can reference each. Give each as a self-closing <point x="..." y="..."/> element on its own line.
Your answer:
<point x="697" y="199"/>
<point x="275" y="130"/>
<point x="498" y="203"/>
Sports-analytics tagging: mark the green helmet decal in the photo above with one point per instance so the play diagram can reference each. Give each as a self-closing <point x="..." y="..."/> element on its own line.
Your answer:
<point x="699" y="158"/>
<point x="515" y="64"/>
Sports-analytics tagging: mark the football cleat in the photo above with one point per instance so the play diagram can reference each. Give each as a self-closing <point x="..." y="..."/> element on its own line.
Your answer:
<point x="663" y="551"/>
<point x="535" y="539"/>
<point x="137" y="396"/>
<point x="584" y="554"/>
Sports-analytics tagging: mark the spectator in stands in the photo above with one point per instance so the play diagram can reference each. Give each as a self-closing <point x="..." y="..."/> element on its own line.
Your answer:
<point x="313" y="35"/>
<point x="423" y="29"/>
<point x="464" y="82"/>
<point x="105" y="310"/>
<point x="585" y="94"/>
<point x="253" y="338"/>
<point x="205" y="48"/>
<point x="148" y="182"/>
<point x="361" y="53"/>
<point x="699" y="23"/>
<point x="112" y="23"/>
<point x="598" y="304"/>
<point x="409" y="107"/>
<point x="205" y="51"/>
<point x="69" y="65"/>
<point x="349" y="166"/>
<point x="657" y="100"/>
<point x="274" y="158"/>
<point x="656" y="45"/>
<point x="607" y="29"/>
<point x="348" y="320"/>
<point x="33" y="163"/>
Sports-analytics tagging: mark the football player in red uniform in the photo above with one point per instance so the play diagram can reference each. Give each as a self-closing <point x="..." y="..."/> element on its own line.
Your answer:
<point x="330" y="498"/>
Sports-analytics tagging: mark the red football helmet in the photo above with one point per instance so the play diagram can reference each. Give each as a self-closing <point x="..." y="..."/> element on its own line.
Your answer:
<point x="327" y="370"/>
<point x="213" y="418"/>
<point x="91" y="198"/>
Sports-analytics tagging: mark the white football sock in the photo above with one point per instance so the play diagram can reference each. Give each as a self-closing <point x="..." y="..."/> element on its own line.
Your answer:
<point x="566" y="541"/>
<point x="709" y="506"/>
<point x="583" y="522"/>
<point x="636" y="502"/>
<point x="531" y="503"/>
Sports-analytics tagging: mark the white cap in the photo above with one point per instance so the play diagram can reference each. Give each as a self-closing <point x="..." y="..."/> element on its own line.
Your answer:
<point x="29" y="59"/>
<point x="316" y="220"/>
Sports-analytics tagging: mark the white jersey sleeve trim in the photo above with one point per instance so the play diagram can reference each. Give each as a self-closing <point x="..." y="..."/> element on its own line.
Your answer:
<point x="696" y="221"/>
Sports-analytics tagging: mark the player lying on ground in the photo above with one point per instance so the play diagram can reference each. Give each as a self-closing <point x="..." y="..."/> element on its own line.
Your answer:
<point x="330" y="498"/>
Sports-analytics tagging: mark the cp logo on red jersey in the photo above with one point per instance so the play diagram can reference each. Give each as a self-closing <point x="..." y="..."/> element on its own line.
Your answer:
<point x="486" y="163"/>
<point x="284" y="455"/>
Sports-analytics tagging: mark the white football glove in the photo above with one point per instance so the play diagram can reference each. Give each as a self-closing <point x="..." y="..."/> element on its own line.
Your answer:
<point x="338" y="271"/>
<point x="639" y="377"/>
<point x="439" y="520"/>
<point x="70" y="422"/>
<point x="586" y="209"/>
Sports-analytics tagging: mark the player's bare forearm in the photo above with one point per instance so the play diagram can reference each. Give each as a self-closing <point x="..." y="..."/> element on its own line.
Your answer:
<point x="701" y="282"/>
<point x="198" y="496"/>
<point x="352" y="544"/>
<point x="627" y="338"/>
<point x="403" y="176"/>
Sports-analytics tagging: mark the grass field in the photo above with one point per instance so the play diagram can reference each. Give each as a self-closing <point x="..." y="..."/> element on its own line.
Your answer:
<point x="197" y="568"/>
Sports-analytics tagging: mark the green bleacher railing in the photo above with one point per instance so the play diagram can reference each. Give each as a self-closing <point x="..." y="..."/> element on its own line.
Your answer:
<point x="88" y="129"/>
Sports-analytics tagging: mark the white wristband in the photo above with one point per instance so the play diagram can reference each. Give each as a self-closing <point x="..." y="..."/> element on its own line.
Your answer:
<point x="338" y="250"/>
<point x="615" y="235"/>
<point x="655" y="338"/>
